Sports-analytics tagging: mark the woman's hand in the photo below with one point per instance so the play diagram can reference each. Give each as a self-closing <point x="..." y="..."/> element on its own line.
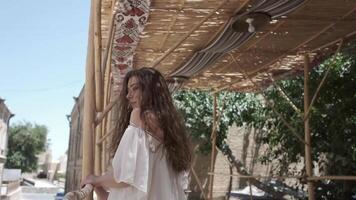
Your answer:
<point x="101" y="193"/>
<point x="99" y="190"/>
<point x="90" y="179"/>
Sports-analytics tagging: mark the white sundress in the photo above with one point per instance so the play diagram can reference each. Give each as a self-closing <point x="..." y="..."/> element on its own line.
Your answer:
<point x="140" y="163"/>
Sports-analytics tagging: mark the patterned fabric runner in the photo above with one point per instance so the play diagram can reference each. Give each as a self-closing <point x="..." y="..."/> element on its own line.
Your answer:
<point x="130" y="20"/>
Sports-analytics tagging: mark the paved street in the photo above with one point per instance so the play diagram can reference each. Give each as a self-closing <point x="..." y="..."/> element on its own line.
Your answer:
<point x="43" y="190"/>
<point x="37" y="196"/>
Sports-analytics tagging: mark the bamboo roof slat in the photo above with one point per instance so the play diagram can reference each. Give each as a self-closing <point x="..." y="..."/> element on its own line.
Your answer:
<point x="272" y="50"/>
<point x="270" y="44"/>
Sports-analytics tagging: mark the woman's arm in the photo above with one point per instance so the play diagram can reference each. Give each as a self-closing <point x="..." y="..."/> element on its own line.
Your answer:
<point x="107" y="181"/>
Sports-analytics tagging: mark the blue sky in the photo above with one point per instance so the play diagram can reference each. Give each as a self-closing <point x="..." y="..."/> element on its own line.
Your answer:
<point x="42" y="62"/>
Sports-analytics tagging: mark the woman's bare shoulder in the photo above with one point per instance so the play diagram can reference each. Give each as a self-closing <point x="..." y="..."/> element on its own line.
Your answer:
<point x="135" y="117"/>
<point x="153" y="124"/>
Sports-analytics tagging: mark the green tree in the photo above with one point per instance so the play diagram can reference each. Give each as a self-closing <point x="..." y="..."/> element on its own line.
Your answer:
<point x="239" y="108"/>
<point x="26" y="140"/>
<point x="333" y="122"/>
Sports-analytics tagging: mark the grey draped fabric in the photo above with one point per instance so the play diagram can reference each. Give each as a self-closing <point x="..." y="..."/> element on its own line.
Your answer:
<point x="229" y="39"/>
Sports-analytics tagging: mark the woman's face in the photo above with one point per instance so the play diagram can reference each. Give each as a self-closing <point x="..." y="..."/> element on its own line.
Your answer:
<point x="134" y="92"/>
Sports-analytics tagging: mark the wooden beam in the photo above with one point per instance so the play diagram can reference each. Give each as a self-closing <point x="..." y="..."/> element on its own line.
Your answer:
<point x="307" y="112"/>
<point x="102" y="139"/>
<point x="97" y="59"/>
<point x="341" y="178"/>
<point x="108" y="47"/>
<point x="107" y="91"/>
<point x="308" y="158"/>
<point x="170" y="50"/>
<point x="198" y="182"/>
<point x="97" y="150"/>
<point x="101" y="116"/>
<point x="213" y="142"/>
<point x="258" y="176"/>
<point x="89" y="103"/>
<point x="173" y="22"/>
<point x="294" y="132"/>
<point x="333" y="42"/>
<point x="285" y="96"/>
<point x="313" y="178"/>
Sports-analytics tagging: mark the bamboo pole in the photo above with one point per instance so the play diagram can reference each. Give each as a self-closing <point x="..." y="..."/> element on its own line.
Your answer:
<point x="341" y="178"/>
<point x="321" y="84"/>
<point x="198" y="182"/>
<point x="98" y="149"/>
<point x="173" y="22"/>
<point x="312" y="178"/>
<point x="294" y="132"/>
<point x="170" y="50"/>
<point x="107" y="86"/>
<point x="101" y="116"/>
<point x="213" y="142"/>
<point x="333" y="42"/>
<point x="249" y="184"/>
<point x="257" y="176"/>
<point x="105" y="143"/>
<point x="220" y="88"/>
<point x="308" y="159"/>
<point x="97" y="50"/>
<point x="102" y="139"/>
<point x="89" y="104"/>
<point x="285" y="96"/>
<point x="98" y="83"/>
<point x="108" y="49"/>
<point x="327" y="27"/>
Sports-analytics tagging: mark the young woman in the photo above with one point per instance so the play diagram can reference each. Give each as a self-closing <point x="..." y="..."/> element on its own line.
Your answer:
<point x="152" y="154"/>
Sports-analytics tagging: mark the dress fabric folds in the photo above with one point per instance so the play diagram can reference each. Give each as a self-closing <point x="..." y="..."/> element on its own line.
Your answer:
<point x="140" y="162"/>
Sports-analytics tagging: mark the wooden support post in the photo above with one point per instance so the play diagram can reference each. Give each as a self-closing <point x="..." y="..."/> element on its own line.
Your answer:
<point x="308" y="159"/>
<point x="89" y="105"/>
<point x="249" y="184"/>
<point x="98" y="149"/>
<point x="107" y="95"/>
<point x="213" y="142"/>
<point x="97" y="54"/>
<point x="98" y="83"/>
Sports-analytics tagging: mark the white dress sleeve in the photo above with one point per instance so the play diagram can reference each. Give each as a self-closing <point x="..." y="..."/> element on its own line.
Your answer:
<point x="131" y="160"/>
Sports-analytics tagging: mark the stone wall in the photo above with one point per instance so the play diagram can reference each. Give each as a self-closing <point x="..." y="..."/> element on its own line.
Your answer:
<point x="242" y="142"/>
<point x="5" y="116"/>
<point x="75" y="154"/>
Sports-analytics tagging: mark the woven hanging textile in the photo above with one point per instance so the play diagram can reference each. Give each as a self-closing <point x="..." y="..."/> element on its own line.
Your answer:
<point x="130" y="20"/>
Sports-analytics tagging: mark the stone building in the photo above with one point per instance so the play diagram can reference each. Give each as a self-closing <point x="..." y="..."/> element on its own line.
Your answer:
<point x="5" y="116"/>
<point x="74" y="162"/>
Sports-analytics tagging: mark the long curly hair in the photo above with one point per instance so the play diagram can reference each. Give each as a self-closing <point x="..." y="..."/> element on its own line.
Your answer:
<point x="156" y="99"/>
